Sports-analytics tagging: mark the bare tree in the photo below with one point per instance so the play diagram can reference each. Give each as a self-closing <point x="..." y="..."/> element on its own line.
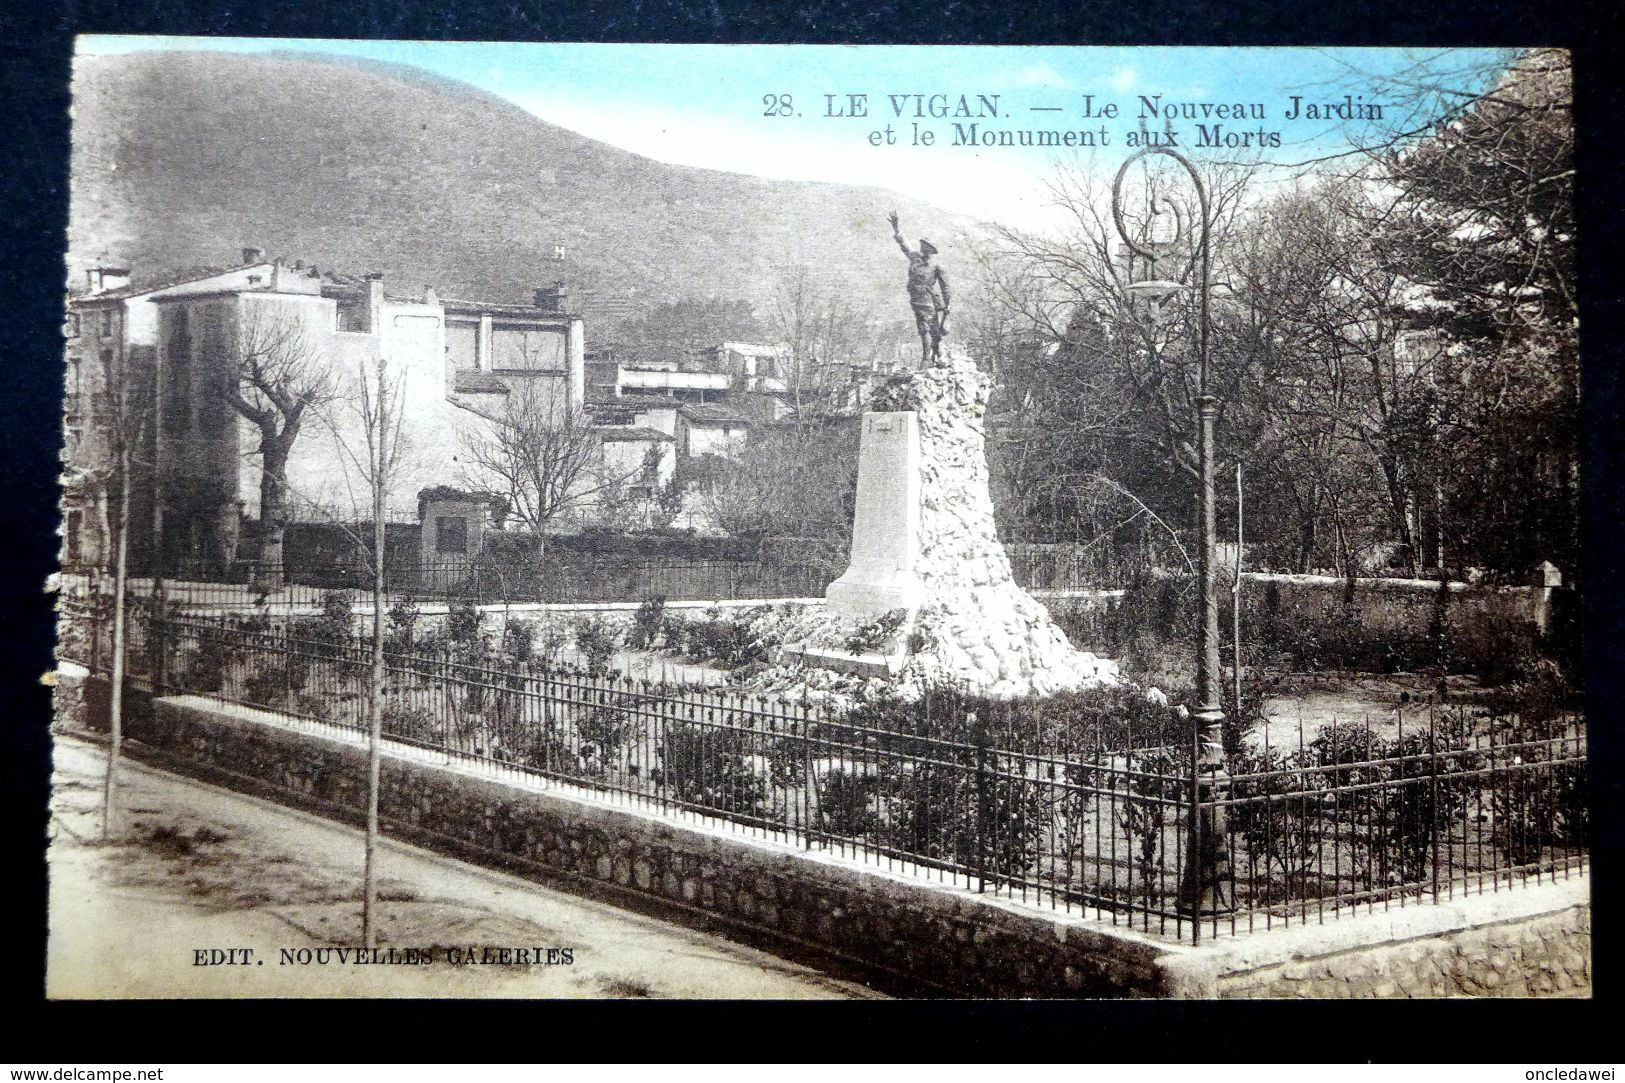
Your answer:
<point x="796" y="483"/>
<point x="1091" y="380"/>
<point x="121" y="416"/>
<point x="373" y="458"/>
<point x="821" y="332"/>
<point x="543" y="453"/>
<point x="280" y="375"/>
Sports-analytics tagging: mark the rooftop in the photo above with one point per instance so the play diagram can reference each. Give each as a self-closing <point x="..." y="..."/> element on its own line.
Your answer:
<point x="334" y="284"/>
<point x="459" y="307"/>
<point x="630" y="434"/>
<point x="163" y="281"/>
<point x="713" y="413"/>
<point x="473" y="381"/>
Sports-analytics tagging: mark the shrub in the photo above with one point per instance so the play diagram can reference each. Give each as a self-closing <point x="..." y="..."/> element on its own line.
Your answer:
<point x="336" y="607"/>
<point x="1274" y="815"/>
<point x="552" y="638"/>
<point x="602" y="733"/>
<point x="1534" y="689"/>
<point x="540" y="749"/>
<point x="1573" y="827"/>
<point x="400" y="626"/>
<point x="969" y="808"/>
<point x="1397" y="797"/>
<point x="205" y="667"/>
<point x="272" y="681"/>
<point x="731" y="641"/>
<point x="1153" y="782"/>
<point x="432" y="643"/>
<point x="1108" y="718"/>
<point x="330" y="628"/>
<point x="647" y="622"/>
<point x="410" y="722"/>
<point x="1430" y="795"/>
<point x="597" y="640"/>
<point x="463" y="631"/>
<point x="706" y="766"/>
<point x="319" y="708"/>
<point x="518" y="636"/>
<point x="846" y="803"/>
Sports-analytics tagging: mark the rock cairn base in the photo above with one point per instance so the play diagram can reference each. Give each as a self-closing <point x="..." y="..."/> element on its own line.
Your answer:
<point x="975" y="628"/>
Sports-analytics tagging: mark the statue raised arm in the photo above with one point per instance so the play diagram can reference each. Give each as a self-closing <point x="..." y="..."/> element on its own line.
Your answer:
<point x="927" y="293"/>
<point x="897" y="234"/>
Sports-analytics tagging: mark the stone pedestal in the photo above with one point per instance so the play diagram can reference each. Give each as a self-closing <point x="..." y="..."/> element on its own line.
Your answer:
<point x="881" y="575"/>
<point x="924" y="541"/>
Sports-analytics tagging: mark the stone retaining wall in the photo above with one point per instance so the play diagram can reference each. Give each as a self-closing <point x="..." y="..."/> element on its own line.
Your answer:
<point x="1543" y="955"/>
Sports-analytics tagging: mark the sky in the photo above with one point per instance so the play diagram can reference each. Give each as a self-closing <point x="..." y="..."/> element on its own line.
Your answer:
<point x="785" y="111"/>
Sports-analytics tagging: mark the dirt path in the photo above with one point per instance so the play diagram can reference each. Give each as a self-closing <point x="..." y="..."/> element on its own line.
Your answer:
<point x="199" y="868"/>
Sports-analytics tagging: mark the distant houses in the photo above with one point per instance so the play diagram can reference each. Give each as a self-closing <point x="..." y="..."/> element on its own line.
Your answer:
<point x="177" y="346"/>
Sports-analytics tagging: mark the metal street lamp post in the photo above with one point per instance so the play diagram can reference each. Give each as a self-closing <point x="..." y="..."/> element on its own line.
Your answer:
<point x="1203" y="890"/>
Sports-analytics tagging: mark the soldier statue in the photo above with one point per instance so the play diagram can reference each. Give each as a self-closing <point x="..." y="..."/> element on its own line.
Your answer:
<point x="927" y="294"/>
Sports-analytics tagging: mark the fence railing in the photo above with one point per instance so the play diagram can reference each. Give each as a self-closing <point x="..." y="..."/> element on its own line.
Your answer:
<point x="247" y="585"/>
<point x="569" y="578"/>
<point x="1353" y="819"/>
<point x="1047" y="567"/>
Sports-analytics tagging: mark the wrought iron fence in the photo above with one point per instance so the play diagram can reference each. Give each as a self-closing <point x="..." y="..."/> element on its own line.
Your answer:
<point x="1092" y="819"/>
<point x="1359" y="818"/>
<point x="246" y="585"/>
<point x="1048" y="567"/>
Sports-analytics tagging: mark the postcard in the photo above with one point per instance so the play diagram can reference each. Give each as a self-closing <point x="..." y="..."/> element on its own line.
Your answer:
<point x="782" y="522"/>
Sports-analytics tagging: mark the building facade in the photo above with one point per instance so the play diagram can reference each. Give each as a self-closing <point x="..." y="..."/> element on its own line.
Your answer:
<point x="180" y="351"/>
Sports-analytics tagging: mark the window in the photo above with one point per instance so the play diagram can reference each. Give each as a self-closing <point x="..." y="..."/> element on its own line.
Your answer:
<point x="73" y="325"/>
<point x="214" y="412"/>
<point x="178" y="377"/>
<point x="463" y="345"/>
<point x="107" y="321"/>
<point x="351" y="315"/>
<point x="451" y="534"/>
<point x="515" y="347"/>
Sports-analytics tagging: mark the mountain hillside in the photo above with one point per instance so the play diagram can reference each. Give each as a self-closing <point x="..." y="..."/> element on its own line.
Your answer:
<point x="183" y="158"/>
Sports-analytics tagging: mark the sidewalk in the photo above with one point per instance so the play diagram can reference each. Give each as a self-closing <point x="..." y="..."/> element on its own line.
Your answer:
<point x="200" y="868"/>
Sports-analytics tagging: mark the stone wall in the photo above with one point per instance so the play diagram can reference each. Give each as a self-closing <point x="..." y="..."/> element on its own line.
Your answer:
<point x="1406" y="607"/>
<point x="1543" y="955"/>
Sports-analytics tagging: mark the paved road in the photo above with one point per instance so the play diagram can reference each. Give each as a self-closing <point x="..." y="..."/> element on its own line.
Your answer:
<point x="198" y="867"/>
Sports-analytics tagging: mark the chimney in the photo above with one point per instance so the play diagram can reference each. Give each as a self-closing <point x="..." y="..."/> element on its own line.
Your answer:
<point x="253" y="255"/>
<point x="375" y="301"/>
<point x="551" y="298"/>
<point x="431" y="296"/>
